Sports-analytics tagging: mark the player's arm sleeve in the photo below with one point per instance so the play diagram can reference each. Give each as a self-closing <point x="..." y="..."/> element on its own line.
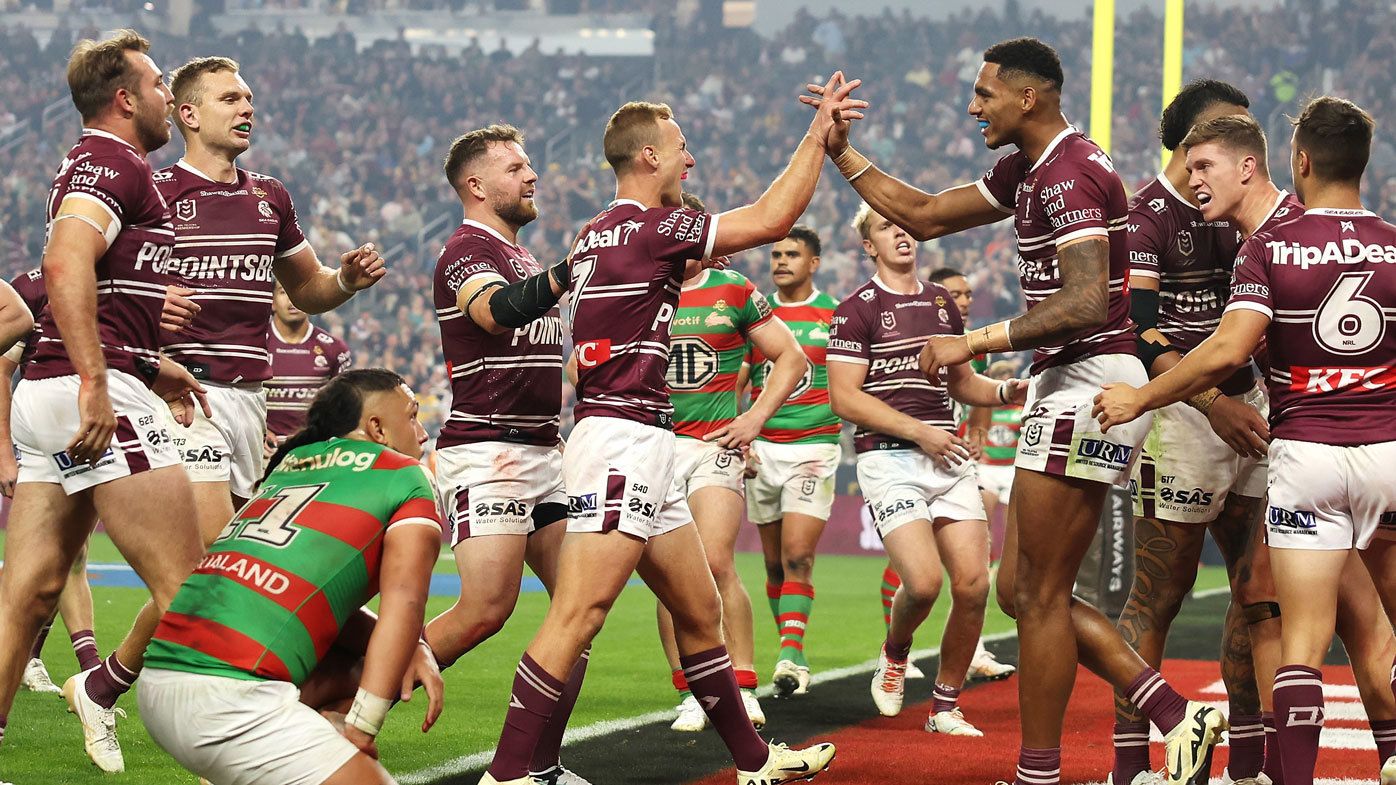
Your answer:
<point x="1250" y="288"/>
<point x="290" y="240"/>
<point x="99" y="191"/>
<point x="678" y="234"/>
<point x="1144" y="237"/>
<point x="418" y="506"/>
<point x="756" y="311"/>
<point x="849" y="334"/>
<point x="344" y="357"/>
<point x="999" y="185"/>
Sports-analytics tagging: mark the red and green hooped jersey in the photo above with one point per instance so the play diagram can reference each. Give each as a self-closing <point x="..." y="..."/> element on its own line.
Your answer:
<point x="276" y="587"/>
<point x="707" y="346"/>
<point x="1001" y="444"/>
<point x="806" y="418"/>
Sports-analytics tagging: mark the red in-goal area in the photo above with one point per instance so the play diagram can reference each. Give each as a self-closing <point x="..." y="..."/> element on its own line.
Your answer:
<point x="897" y="750"/>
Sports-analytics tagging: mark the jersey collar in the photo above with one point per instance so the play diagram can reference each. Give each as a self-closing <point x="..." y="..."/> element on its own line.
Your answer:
<point x="920" y="287"/>
<point x="1168" y="186"/>
<point x="1052" y="145"/>
<point x="488" y="230"/>
<point x="288" y="341"/>
<point x="188" y="167"/>
<point x="699" y="282"/>
<point x="1337" y="213"/>
<point x="106" y="135"/>
<point x="619" y="202"/>
<point x="1279" y="200"/>
<point x="776" y="296"/>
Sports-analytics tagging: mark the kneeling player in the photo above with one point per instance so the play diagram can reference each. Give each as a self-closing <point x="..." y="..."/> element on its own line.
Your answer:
<point x="913" y="470"/>
<point x="346" y="507"/>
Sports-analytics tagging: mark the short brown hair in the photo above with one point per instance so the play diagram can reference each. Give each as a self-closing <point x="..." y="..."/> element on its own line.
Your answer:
<point x="632" y="128"/>
<point x="186" y="83"/>
<point x="469" y="147"/>
<point x="97" y="69"/>
<point x="1237" y="132"/>
<point x="1337" y="136"/>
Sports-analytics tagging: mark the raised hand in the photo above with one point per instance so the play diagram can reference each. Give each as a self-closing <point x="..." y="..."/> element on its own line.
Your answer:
<point x="834" y="111"/>
<point x="361" y="267"/>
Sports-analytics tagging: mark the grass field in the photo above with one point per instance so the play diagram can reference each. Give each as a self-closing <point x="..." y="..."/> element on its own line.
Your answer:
<point x="627" y="677"/>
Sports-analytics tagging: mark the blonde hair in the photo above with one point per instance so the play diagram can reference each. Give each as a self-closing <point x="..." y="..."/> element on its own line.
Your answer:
<point x="632" y="128"/>
<point x="862" y="220"/>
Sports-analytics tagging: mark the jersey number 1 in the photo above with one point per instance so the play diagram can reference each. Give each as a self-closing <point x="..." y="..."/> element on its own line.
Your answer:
<point x="273" y="526"/>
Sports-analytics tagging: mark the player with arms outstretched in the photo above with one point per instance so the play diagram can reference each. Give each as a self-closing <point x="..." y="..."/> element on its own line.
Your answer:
<point x="1070" y="210"/>
<point x="624" y="511"/>
<point x="346" y="512"/>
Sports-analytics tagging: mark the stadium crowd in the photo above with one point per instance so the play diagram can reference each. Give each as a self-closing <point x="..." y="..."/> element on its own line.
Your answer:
<point x="359" y="140"/>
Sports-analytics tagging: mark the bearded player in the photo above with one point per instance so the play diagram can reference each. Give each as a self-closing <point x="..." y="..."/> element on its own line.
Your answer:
<point x="498" y="458"/>
<point x="1070" y="220"/>
<point x="87" y="418"/>
<point x="1226" y="161"/>
<point x="303" y="358"/>
<point x="625" y="511"/>
<point x="347" y="512"/>
<point x="236" y="236"/>
<point x="719" y="314"/>
<point x="1318" y="290"/>
<point x="797" y="456"/>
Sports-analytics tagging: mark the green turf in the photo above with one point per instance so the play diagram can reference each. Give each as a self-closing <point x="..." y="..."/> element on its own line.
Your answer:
<point x="628" y="675"/>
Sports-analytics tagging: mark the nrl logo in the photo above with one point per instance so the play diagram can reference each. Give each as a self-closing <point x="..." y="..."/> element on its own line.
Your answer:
<point x="889" y="321"/>
<point x="185" y="209"/>
<point x="1185" y="246"/>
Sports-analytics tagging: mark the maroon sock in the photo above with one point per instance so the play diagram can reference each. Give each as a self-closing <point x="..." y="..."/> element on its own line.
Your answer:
<point x="1247" y="740"/>
<point x="1131" y="751"/>
<point x="545" y="755"/>
<point x="37" y="650"/>
<point x="1160" y="703"/>
<point x="85" y="647"/>
<point x="1384" y="734"/>
<point x="895" y="652"/>
<point x="1039" y="767"/>
<point x="3" y="720"/>
<point x="714" y="684"/>
<point x="109" y="681"/>
<point x="1299" y="720"/>
<point x="1274" y="762"/>
<point x="944" y="698"/>
<point x="534" y="697"/>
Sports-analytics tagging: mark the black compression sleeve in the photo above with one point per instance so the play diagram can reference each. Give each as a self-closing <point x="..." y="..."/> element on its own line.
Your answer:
<point x="1143" y="309"/>
<point x="519" y="303"/>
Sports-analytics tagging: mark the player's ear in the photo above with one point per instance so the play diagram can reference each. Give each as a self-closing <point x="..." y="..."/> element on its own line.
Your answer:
<point x="650" y="155"/>
<point x="373" y="428"/>
<point x="189" y="116"/>
<point x="868" y="248"/>
<point x="475" y="186"/>
<point x="1028" y="99"/>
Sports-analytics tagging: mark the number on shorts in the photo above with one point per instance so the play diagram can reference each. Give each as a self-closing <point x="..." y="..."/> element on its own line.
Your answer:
<point x="1347" y="322"/>
<point x="274" y="526"/>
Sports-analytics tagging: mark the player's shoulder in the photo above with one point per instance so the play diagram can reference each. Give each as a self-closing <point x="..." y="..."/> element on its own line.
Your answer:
<point x="392" y="460"/>
<point x="323" y="336"/>
<point x="264" y="185"/>
<point x="1152" y="201"/>
<point x="730" y="277"/>
<point x="1077" y="156"/>
<point x="822" y="300"/>
<point x="862" y="298"/>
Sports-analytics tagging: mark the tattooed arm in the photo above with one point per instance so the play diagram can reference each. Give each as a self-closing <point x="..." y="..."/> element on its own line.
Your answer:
<point x="1081" y="303"/>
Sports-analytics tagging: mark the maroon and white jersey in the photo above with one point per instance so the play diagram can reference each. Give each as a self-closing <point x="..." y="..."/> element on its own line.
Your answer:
<point x="885" y="331"/>
<point x="1069" y="193"/>
<point x="298" y="371"/>
<point x="133" y="272"/>
<point x="1191" y="258"/>
<point x="627" y="267"/>
<point x="1287" y="207"/>
<point x="1327" y="280"/>
<point x="30" y="288"/>
<point x="505" y="387"/>
<point x="226" y="238"/>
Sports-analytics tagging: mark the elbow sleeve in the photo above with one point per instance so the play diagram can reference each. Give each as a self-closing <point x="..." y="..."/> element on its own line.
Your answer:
<point x="519" y="303"/>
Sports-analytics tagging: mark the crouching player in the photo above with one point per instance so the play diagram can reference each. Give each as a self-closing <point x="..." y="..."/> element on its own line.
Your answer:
<point x="346" y="507"/>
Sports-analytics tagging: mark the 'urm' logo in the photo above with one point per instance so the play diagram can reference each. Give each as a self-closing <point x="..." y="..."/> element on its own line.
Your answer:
<point x="1106" y="452"/>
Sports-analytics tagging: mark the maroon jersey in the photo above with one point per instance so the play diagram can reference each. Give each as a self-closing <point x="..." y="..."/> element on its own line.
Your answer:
<point x="133" y="272"/>
<point x="1191" y="258"/>
<point x="505" y="387"/>
<point x="885" y="331"/>
<point x="1287" y="207"/>
<point x="226" y="237"/>
<point x="627" y="266"/>
<point x="1071" y="192"/>
<point x="298" y="371"/>
<point x="1327" y="280"/>
<point x="30" y="288"/>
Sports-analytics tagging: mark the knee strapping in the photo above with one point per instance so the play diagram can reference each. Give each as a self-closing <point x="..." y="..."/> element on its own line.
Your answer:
<point x="1257" y="612"/>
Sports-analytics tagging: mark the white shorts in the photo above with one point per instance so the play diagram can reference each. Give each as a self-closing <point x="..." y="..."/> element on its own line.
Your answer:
<point x="1328" y="498"/>
<point x="997" y="480"/>
<point x="906" y="485"/>
<point x="227" y="448"/>
<point x="797" y="478"/>
<point x="500" y="488"/>
<point x="237" y="732"/>
<point x="700" y="464"/>
<point x="1186" y="471"/>
<point x="44" y="418"/>
<point x="619" y="474"/>
<point x="1061" y="437"/>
